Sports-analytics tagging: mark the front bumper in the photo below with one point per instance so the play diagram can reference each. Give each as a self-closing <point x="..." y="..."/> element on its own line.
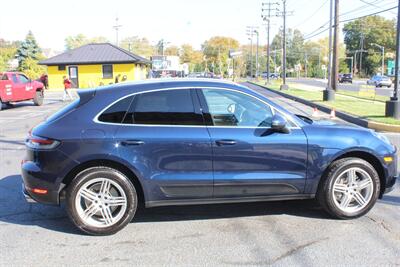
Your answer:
<point x="390" y="185"/>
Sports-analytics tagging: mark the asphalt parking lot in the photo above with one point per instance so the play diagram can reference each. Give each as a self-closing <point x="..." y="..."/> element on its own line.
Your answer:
<point x="251" y="234"/>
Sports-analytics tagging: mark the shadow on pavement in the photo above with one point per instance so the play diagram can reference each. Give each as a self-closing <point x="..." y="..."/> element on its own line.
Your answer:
<point x="15" y="210"/>
<point x="390" y="200"/>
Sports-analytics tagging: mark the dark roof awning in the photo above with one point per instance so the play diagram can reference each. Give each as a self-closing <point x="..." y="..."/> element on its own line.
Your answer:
<point x="95" y="54"/>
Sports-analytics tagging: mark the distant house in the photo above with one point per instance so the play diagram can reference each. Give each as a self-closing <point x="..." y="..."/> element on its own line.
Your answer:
<point x="95" y="64"/>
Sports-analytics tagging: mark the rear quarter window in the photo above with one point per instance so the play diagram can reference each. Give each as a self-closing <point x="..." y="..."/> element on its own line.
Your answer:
<point x="116" y="112"/>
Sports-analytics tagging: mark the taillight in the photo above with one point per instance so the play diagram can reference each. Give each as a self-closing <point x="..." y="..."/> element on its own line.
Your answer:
<point x="41" y="143"/>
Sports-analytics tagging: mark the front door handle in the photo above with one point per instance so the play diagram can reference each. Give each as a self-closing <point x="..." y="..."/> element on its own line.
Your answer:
<point x="132" y="142"/>
<point x="225" y="142"/>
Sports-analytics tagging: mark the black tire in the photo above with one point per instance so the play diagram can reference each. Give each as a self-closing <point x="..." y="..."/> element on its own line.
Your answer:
<point x="38" y="99"/>
<point x="111" y="174"/>
<point x="1" y="105"/>
<point x="325" y="189"/>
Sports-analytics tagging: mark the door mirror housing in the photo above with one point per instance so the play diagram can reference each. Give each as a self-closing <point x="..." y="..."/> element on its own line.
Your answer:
<point x="279" y="124"/>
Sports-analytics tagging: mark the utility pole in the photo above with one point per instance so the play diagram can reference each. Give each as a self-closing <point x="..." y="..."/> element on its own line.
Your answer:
<point x="393" y="105"/>
<point x="361" y="51"/>
<point x="335" y="52"/>
<point x="116" y="27"/>
<point x="267" y="18"/>
<point x="329" y="94"/>
<point x="305" y="63"/>
<point x="284" y="13"/>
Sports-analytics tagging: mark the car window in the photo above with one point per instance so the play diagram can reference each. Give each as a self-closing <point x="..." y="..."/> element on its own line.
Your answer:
<point x="116" y="113"/>
<point x="229" y="108"/>
<point x="14" y="78"/>
<point x="167" y="107"/>
<point x="23" y="78"/>
<point x="4" y="77"/>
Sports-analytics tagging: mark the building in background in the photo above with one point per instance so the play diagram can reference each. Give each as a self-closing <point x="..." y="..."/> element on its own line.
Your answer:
<point x="95" y="64"/>
<point x="168" y="66"/>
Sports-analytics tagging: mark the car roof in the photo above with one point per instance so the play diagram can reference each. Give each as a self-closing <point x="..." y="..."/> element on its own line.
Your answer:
<point x="149" y="84"/>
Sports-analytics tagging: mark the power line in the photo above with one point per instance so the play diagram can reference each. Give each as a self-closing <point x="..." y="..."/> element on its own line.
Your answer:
<point x="307" y="36"/>
<point x="371" y="14"/>
<point x="313" y="14"/>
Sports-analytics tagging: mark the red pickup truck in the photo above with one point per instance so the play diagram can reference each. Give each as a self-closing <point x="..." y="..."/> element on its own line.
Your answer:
<point x="15" y="87"/>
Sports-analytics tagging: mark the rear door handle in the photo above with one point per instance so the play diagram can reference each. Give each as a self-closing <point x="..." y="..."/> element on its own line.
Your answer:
<point x="225" y="142"/>
<point x="132" y="143"/>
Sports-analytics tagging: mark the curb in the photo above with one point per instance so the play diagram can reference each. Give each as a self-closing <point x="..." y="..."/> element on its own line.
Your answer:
<point x="340" y="114"/>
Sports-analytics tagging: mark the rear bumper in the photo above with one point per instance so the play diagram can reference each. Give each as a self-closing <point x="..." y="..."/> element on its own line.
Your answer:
<point x="28" y="197"/>
<point x="34" y="177"/>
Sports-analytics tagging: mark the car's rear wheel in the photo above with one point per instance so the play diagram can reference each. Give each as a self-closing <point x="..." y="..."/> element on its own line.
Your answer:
<point x="38" y="99"/>
<point x="101" y="201"/>
<point x="350" y="189"/>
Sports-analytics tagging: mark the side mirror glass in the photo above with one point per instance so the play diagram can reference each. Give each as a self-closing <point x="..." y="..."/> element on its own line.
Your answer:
<point x="279" y="124"/>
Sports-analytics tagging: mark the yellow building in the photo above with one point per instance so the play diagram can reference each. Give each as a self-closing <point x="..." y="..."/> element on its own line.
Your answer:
<point x="92" y="65"/>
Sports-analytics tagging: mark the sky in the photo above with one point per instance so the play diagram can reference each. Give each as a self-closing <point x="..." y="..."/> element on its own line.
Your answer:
<point x="176" y="21"/>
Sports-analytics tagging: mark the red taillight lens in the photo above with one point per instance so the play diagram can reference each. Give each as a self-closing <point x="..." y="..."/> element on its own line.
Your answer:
<point x="41" y="143"/>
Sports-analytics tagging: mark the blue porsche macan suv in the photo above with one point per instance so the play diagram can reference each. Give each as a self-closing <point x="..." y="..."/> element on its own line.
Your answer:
<point x="196" y="141"/>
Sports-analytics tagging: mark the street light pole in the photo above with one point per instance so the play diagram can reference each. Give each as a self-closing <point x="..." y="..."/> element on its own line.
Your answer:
<point x="383" y="57"/>
<point x="393" y="105"/>
<point x="257" y="67"/>
<point x="251" y="56"/>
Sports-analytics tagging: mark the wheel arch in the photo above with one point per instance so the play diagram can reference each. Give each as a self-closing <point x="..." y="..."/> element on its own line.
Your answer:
<point x="365" y="155"/>
<point x="106" y="163"/>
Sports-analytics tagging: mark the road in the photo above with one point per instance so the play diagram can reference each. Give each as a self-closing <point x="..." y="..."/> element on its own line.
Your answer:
<point x="355" y="87"/>
<point x="252" y="234"/>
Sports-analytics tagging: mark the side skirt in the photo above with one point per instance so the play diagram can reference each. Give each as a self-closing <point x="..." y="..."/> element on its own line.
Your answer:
<point x="181" y="202"/>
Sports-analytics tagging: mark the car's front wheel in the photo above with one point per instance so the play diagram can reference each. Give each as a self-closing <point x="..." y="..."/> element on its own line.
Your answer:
<point x="101" y="201"/>
<point x="350" y="188"/>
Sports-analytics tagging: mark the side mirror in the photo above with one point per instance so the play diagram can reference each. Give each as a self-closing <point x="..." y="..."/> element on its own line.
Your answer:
<point x="279" y="124"/>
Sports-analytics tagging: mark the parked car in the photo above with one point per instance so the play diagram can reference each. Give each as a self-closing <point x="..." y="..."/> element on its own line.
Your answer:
<point x="345" y="78"/>
<point x="203" y="75"/>
<point x="272" y="75"/>
<point x="380" y="81"/>
<point x="191" y="141"/>
<point x="16" y="87"/>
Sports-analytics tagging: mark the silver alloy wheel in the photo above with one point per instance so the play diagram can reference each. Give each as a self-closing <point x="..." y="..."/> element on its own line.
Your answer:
<point x="101" y="202"/>
<point x="352" y="190"/>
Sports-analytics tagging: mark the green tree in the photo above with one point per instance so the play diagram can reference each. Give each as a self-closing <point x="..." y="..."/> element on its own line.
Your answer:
<point x="72" y="42"/>
<point x="28" y="49"/>
<point x="295" y="53"/>
<point x="172" y="50"/>
<point x="8" y="51"/>
<point x="216" y="52"/>
<point x="193" y="57"/>
<point x="372" y="29"/>
<point x="28" y="55"/>
<point x="31" y="68"/>
<point x="139" y="46"/>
